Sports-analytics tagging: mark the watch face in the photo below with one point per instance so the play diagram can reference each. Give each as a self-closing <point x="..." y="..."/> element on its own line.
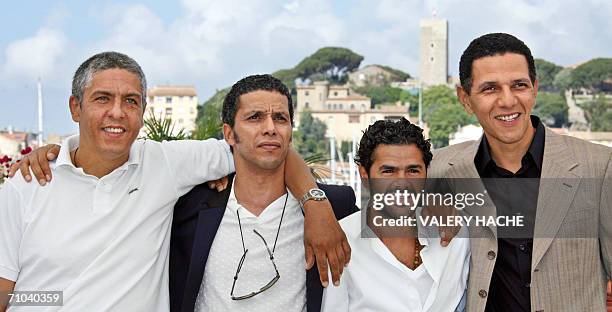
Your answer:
<point x="317" y="193"/>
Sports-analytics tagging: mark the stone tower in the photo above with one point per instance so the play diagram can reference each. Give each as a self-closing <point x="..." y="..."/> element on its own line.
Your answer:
<point x="434" y="52"/>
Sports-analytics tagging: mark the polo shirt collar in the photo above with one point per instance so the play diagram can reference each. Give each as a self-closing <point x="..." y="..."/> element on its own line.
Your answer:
<point x="72" y="142"/>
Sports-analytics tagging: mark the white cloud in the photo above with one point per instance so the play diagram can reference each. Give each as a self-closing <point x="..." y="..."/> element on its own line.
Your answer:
<point x="213" y="43"/>
<point x="36" y="56"/>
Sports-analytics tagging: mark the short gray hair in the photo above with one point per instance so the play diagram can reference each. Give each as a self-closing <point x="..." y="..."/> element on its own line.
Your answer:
<point x="102" y="61"/>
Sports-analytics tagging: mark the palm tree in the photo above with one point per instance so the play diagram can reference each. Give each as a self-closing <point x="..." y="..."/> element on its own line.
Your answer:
<point x="162" y="129"/>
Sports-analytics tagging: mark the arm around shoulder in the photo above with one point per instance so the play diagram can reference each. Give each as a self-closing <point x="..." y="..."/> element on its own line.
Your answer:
<point x="194" y="162"/>
<point x="6" y="287"/>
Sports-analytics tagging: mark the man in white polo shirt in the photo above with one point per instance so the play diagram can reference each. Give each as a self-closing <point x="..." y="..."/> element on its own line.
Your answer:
<point x="100" y="231"/>
<point x="397" y="268"/>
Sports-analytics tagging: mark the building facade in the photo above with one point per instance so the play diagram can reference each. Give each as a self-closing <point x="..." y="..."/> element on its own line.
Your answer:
<point x="177" y="103"/>
<point x="346" y="113"/>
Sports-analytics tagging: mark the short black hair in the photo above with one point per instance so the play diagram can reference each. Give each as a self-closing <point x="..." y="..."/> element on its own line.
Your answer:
<point x="390" y="132"/>
<point x="490" y="45"/>
<point x="250" y="84"/>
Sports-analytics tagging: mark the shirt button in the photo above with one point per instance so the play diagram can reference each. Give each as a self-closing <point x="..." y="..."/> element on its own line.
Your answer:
<point x="527" y="285"/>
<point x="522" y="247"/>
<point x="491" y="255"/>
<point x="482" y="293"/>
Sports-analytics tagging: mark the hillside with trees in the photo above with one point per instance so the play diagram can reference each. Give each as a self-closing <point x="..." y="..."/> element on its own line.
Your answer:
<point x="441" y="108"/>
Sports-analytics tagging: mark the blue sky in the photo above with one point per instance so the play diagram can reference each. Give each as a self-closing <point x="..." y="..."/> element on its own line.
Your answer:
<point x="211" y="44"/>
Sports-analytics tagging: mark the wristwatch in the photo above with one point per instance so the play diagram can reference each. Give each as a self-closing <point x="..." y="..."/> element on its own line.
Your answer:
<point x="315" y="194"/>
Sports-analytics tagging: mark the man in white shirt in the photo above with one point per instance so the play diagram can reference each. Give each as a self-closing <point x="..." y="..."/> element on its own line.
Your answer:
<point x="240" y="250"/>
<point x="399" y="268"/>
<point x="100" y="232"/>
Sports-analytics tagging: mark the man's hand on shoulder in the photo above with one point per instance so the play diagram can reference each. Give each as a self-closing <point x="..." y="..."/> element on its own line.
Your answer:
<point x="325" y="241"/>
<point x="6" y="287"/>
<point x="38" y="162"/>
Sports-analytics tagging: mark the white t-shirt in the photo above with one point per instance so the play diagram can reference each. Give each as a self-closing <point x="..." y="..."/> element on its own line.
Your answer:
<point x="289" y="292"/>
<point x="103" y="242"/>
<point x="375" y="280"/>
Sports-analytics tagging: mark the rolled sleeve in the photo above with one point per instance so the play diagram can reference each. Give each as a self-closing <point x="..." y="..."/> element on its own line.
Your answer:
<point x="195" y="162"/>
<point x="11" y="211"/>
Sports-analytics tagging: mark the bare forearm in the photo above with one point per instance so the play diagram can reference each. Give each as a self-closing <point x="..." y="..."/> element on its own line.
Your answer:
<point x="6" y="287"/>
<point x="297" y="175"/>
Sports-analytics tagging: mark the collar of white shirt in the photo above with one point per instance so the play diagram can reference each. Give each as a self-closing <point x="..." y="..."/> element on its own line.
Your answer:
<point x="72" y="142"/>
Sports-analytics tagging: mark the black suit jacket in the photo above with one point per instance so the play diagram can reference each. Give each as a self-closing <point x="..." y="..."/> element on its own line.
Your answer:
<point x="197" y="216"/>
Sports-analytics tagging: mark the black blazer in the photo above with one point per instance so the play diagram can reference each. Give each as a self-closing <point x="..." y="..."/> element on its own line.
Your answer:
<point x="197" y="216"/>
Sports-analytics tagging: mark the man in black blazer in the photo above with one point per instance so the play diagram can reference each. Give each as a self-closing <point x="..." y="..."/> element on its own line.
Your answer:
<point x="257" y="117"/>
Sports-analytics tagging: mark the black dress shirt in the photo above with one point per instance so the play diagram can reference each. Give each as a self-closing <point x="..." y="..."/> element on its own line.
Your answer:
<point x="510" y="284"/>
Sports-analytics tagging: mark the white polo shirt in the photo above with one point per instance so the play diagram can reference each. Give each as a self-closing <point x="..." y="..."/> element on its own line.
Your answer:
<point x="375" y="280"/>
<point x="103" y="242"/>
<point x="289" y="292"/>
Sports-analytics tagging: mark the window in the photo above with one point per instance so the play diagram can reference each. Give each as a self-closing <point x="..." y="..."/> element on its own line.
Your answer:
<point x="335" y="106"/>
<point x="354" y="119"/>
<point x="168" y="111"/>
<point x="328" y="106"/>
<point x="168" y="100"/>
<point x="431" y="45"/>
<point x="335" y="93"/>
<point x="340" y="105"/>
<point x="352" y="106"/>
<point x="306" y="93"/>
<point x="431" y="58"/>
<point x="362" y="106"/>
<point x="306" y="105"/>
<point x="373" y="119"/>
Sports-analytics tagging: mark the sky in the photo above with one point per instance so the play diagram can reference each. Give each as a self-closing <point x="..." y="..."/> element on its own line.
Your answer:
<point x="212" y="44"/>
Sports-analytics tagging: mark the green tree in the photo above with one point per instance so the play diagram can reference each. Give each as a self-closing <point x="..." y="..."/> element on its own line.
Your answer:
<point x="437" y="96"/>
<point x="330" y="63"/>
<point x="208" y="121"/>
<point x="346" y="147"/>
<point x="310" y="139"/>
<point x="162" y="129"/>
<point x="444" y="120"/>
<point x="599" y="113"/>
<point x="396" y="74"/>
<point x="443" y="113"/>
<point x="209" y="125"/>
<point x="381" y="95"/>
<point x="546" y="74"/>
<point x="551" y="108"/>
<point x="563" y="79"/>
<point x="595" y="74"/>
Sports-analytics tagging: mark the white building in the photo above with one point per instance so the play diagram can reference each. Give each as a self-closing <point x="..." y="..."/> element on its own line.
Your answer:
<point x="177" y="103"/>
<point x="465" y="133"/>
<point x="346" y="113"/>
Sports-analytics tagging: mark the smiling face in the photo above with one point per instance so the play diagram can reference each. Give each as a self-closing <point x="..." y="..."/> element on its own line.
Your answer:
<point x="110" y="115"/>
<point x="396" y="167"/>
<point x="261" y="135"/>
<point x="502" y="97"/>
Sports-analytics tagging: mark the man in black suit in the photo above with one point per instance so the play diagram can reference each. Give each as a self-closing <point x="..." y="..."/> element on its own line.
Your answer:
<point x="242" y="249"/>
